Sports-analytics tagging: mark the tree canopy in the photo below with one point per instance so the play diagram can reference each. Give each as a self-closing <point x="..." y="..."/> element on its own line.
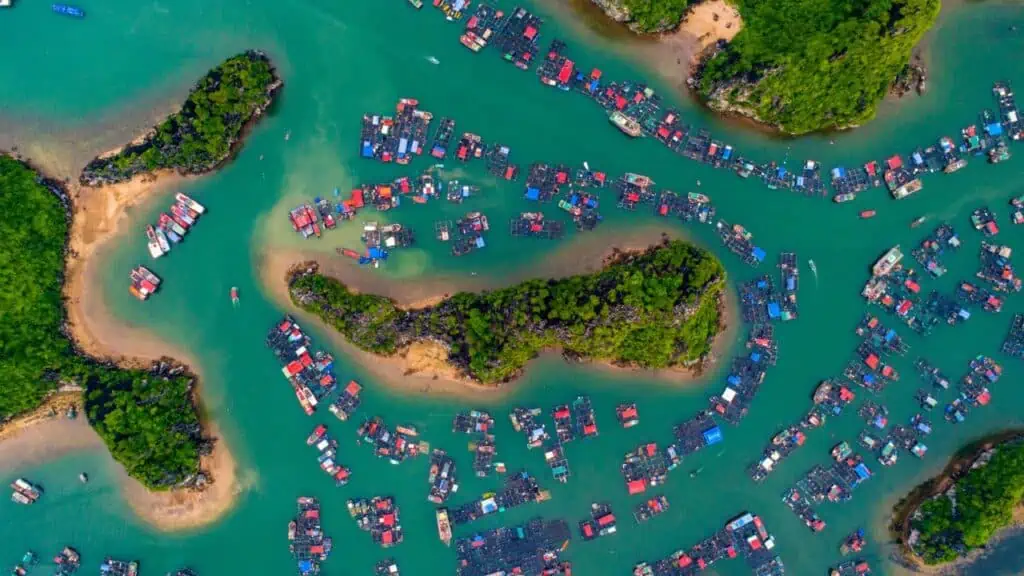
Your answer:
<point x="984" y="501"/>
<point x="809" y="65"/>
<point x="200" y="135"/>
<point x="655" y="15"/>
<point x="146" y="417"/>
<point x="654" y="309"/>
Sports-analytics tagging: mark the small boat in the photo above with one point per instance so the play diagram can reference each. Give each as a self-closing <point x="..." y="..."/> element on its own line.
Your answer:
<point x="316" y="435"/>
<point x="433" y="60"/>
<point x="694" y="473"/>
<point x="444" y="527"/>
<point x="867" y="214"/>
<point x="154" y="245"/>
<point x="83" y="478"/>
<point x="917" y="222"/>
<point x="190" y="203"/>
<point x="853" y="543"/>
<point x="813" y="267"/>
<point x="234" y="295"/>
<point x="161" y="238"/>
<point x="68" y="10"/>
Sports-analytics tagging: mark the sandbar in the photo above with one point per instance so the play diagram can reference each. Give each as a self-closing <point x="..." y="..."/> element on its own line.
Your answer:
<point x="423" y="367"/>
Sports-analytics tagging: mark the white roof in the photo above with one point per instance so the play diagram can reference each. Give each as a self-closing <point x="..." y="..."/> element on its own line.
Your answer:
<point x="728" y="395"/>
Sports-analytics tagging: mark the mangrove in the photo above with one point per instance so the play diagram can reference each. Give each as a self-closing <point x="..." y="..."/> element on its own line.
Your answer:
<point x="804" y="65"/>
<point x="970" y="507"/>
<point x="207" y="129"/>
<point x="146" y="417"/>
<point x="657" y="308"/>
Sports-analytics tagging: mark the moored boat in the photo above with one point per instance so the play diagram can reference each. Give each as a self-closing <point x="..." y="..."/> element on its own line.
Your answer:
<point x="234" y="294"/>
<point x="887" y="262"/>
<point x="444" y="527"/>
<point x="196" y="206"/>
<point x="627" y="125"/>
<point x="867" y="214"/>
<point x="68" y="10"/>
<point x="155" y="250"/>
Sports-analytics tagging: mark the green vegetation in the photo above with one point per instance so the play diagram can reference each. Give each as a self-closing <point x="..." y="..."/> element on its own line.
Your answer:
<point x="648" y="16"/>
<point x="146" y="418"/>
<point x="983" y="504"/>
<point x="203" y="133"/>
<point x="654" y="309"/>
<point x="807" y="65"/>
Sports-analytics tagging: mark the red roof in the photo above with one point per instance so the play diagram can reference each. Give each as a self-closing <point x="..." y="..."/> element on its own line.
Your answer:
<point x="629" y="412"/>
<point x="530" y="32"/>
<point x="663" y="132"/>
<point x="684" y="561"/>
<point x="565" y="72"/>
<point x="561" y="177"/>
<point x="895" y="162"/>
<point x="871" y="168"/>
<point x="638" y="97"/>
<point x="588" y="530"/>
<point x="387" y="537"/>
<point x="353" y="387"/>
<point x="912" y="286"/>
<point x="357" y="198"/>
<point x="562" y="413"/>
<point x="755" y="544"/>
<point x="904" y="307"/>
<point x="293" y="367"/>
<point x="871" y="361"/>
<point x="388" y="520"/>
<point x="620" y="102"/>
<point x="651" y="449"/>
<point x="636" y="486"/>
<point x="984" y="398"/>
<point x="992" y="228"/>
<point x="606" y="520"/>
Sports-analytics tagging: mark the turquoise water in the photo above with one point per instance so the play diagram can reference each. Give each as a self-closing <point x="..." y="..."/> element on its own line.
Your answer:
<point x="342" y="60"/>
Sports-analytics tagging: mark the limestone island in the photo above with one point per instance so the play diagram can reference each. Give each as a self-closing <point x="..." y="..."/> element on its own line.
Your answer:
<point x="146" y="415"/>
<point x="793" y="65"/>
<point x="956" y="515"/>
<point x="656" y="308"/>
<point x="204" y="133"/>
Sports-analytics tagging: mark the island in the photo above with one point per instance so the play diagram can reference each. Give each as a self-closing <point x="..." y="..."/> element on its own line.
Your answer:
<point x="204" y="133"/>
<point x="147" y="416"/>
<point x="794" y="65"/>
<point x="655" y="308"/>
<point x="952" y="516"/>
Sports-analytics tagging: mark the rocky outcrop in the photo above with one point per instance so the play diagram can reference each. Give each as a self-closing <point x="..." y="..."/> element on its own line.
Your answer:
<point x="618" y="11"/>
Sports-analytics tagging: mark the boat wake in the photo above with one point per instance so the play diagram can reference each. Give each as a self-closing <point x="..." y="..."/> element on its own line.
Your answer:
<point x="814" y="270"/>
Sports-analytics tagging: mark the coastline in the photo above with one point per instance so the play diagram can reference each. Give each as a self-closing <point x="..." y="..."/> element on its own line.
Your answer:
<point x="959" y="464"/>
<point x="423" y="367"/>
<point x="99" y="215"/>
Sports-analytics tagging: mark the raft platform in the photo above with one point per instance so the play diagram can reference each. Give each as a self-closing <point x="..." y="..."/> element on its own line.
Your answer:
<point x="311" y="374"/>
<point x="379" y="516"/>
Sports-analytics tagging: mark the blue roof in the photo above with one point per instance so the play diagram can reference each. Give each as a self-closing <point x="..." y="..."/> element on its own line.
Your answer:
<point x="781" y="172"/>
<point x="734" y="380"/>
<point x="773" y="310"/>
<point x="367" y="149"/>
<point x="378" y="253"/>
<point x="713" y="435"/>
<point x="762" y="283"/>
<point x="480" y="242"/>
<point x="574" y="199"/>
<point x="758" y="254"/>
<point x="305" y="565"/>
<point x="890" y="335"/>
<point x="533" y="193"/>
<point x="839" y="172"/>
<point x="755" y="356"/>
<point x="994" y="129"/>
<point x="862" y="471"/>
<point x="727" y="153"/>
<point x="791" y="283"/>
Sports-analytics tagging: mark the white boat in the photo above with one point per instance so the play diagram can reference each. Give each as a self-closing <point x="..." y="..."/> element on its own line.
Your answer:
<point x="154" y="245"/>
<point x="190" y="203"/>
<point x="161" y="238"/>
<point x="433" y="60"/>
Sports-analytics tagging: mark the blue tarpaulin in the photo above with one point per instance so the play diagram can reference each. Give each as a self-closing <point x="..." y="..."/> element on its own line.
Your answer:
<point x="774" y="311"/>
<point x="839" y="172"/>
<point x="480" y="242"/>
<point x="574" y="199"/>
<point x="734" y="380"/>
<point x="713" y="435"/>
<point x="755" y="356"/>
<point x="758" y="254"/>
<point x="305" y="566"/>
<point x="762" y="283"/>
<point x="890" y="335"/>
<point x="727" y="153"/>
<point x="533" y="193"/>
<point x="994" y="129"/>
<point x="367" y="149"/>
<point x="790" y="283"/>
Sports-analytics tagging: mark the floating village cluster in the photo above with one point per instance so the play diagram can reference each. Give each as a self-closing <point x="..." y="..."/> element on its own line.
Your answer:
<point x="171" y="227"/>
<point x="378" y="516"/>
<point x="744" y="536"/>
<point x="635" y="109"/>
<point x="306" y="540"/>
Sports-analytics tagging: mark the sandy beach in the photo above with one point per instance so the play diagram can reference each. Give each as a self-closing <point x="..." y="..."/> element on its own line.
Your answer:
<point x="423" y="367"/>
<point x="676" y="53"/>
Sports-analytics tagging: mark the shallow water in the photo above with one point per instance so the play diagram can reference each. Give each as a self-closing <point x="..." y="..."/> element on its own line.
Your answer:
<point x="79" y="76"/>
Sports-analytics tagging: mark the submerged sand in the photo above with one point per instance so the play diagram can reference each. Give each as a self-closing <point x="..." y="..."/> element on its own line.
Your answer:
<point x="423" y="367"/>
